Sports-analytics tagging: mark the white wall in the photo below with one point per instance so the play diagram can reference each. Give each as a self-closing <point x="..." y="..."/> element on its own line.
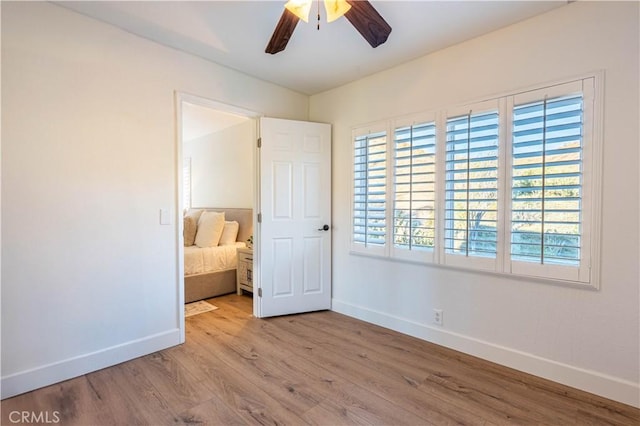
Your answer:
<point x="89" y="276"/>
<point x="222" y="167"/>
<point x="587" y="339"/>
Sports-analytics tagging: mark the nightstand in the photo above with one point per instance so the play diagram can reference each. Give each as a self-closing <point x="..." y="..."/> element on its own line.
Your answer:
<point x="244" y="274"/>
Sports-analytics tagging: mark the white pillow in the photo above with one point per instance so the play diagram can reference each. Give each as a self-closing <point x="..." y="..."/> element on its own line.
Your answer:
<point x="229" y="233"/>
<point x="210" y="226"/>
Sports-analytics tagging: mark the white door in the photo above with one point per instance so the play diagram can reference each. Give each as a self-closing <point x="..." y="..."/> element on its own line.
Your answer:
<point x="294" y="247"/>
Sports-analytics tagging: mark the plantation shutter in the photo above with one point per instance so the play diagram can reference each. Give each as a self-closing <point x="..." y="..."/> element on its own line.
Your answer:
<point x="414" y="187"/>
<point x="550" y="182"/>
<point x="547" y="181"/>
<point x="370" y="190"/>
<point x="510" y="185"/>
<point x="471" y="185"/>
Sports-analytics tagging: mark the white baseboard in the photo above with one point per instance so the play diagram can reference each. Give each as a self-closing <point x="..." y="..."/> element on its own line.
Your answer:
<point x="590" y="381"/>
<point x="25" y="381"/>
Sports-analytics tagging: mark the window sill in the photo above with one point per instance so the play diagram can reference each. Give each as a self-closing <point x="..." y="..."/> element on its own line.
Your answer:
<point x="591" y="286"/>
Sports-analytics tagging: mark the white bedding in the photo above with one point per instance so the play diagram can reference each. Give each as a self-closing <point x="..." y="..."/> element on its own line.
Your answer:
<point x="199" y="260"/>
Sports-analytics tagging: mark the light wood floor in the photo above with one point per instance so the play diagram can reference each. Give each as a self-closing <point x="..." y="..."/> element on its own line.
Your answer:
<point x="320" y="368"/>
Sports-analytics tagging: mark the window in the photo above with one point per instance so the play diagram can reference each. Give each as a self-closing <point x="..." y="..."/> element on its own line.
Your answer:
<point x="370" y="190"/>
<point x="549" y="176"/>
<point x="471" y="181"/>
<point x="508" y="185"/>
<point x="414" y="169"/>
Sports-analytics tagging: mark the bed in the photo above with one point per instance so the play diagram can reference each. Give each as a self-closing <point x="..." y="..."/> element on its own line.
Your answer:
<point x="211" y="271"/>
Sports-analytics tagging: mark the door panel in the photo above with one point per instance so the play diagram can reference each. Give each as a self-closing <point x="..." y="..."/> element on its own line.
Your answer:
<point x="312" y="265"/>
<point x="282" y="273"/>
<point x="283" y="197"/>
<point x="295" y="202"/>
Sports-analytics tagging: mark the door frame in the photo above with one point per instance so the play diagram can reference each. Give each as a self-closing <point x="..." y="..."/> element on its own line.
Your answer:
<point x="179" y="99"/>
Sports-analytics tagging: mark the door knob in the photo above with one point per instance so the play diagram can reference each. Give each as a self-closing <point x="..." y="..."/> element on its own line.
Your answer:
<point x="324" y="228"/>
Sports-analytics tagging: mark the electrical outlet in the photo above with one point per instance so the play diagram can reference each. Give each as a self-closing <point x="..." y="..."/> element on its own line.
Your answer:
<point x="437" y="316"/>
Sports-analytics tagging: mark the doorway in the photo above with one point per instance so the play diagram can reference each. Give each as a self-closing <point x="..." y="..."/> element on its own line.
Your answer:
<point x="292" y="211"/>
<point x="216" y="167"/>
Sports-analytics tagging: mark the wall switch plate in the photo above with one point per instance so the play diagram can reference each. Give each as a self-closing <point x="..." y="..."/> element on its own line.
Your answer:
<point x="165" y="217"/>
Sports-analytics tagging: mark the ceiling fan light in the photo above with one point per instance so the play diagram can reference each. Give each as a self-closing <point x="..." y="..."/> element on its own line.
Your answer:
<point x="300" y="8"/>
<point x="335" y="9"/>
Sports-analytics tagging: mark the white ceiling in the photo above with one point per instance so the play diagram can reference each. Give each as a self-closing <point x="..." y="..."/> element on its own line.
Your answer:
<point x="235" y="34"/>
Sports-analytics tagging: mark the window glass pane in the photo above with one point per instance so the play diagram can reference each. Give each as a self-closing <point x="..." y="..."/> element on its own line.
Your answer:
<point x="546" y="185"/>
<point x="471" y="182"/>
<point x="414" y="187"/>
<point x="369" y="189"/>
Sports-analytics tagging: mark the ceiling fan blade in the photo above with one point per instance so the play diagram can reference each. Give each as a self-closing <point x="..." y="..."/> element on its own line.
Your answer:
<point x="282" y="33"/>
<point x="366" y="19"/>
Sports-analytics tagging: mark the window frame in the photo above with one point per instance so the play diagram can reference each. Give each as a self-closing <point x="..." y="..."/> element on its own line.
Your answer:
<point x="587" y="274"/>
<point x="356" y="246"/>
<point x="419" y="256"/>
<point x="473" y="262"/>
<point x="580" y="274"/>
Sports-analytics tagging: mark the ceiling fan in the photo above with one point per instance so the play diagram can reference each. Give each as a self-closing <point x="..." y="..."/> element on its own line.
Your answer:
<point x="362" y="15"/>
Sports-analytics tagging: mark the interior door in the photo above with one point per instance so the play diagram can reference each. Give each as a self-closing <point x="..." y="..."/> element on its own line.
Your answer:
<point x="294" y="247"/>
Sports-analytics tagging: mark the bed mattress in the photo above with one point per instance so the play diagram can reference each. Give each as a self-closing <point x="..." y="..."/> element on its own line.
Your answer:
<point x="201" y="260"/>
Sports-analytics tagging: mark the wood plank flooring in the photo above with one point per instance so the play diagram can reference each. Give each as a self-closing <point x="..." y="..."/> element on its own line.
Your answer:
<point x="321" y="368"/>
